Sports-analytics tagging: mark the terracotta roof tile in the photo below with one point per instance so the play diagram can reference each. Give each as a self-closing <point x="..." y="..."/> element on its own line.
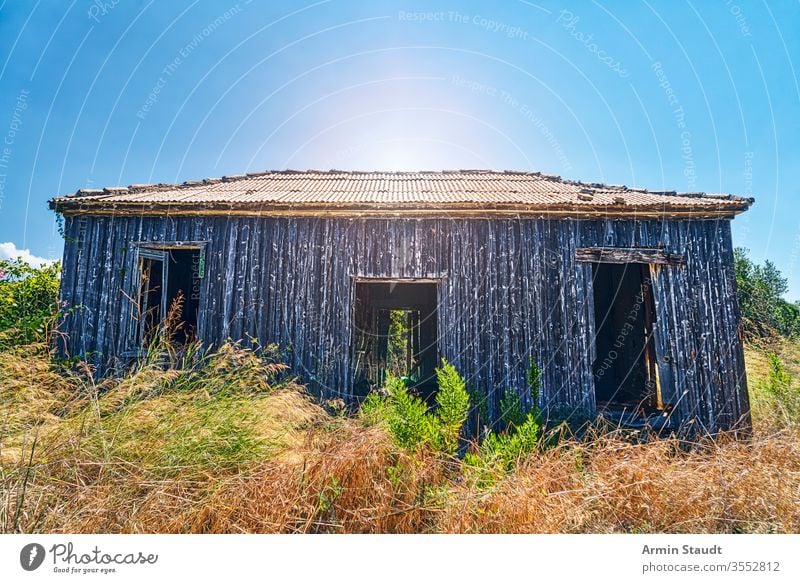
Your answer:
<point x="445" y="190"/>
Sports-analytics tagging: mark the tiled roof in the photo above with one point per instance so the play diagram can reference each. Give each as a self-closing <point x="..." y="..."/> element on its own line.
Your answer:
<point x="361" y="192"/>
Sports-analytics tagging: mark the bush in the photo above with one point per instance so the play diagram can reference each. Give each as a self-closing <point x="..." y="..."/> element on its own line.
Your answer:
<point x="779" y="388"/>
<point x="534" y="383"/>
<point x="453" y="405"/>
<point x="511" y="409"/>
<point x="28" y="301"/>
<point x="409" y="420"/>
<point x="760" y="289"/>
<point x="500" y="452"/>
<point x="407" y="416"/>
<point x="478" y="415"/>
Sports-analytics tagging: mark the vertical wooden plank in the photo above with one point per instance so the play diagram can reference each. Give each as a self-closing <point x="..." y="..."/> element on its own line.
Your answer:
<point x="512" y="288"/>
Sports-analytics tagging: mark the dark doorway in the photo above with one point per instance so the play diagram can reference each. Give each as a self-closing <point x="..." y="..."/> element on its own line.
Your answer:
<point x="395" y="332"/>
<point x="152" y="267"/>
<point x="625" y="372"/>
<point x="170" y="289"/>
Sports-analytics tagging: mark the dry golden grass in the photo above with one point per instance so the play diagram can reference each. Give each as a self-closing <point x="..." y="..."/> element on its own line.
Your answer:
<point x="32" y="395"/>
<point x="356" y="481"/>
<point x="612" y="485"/>
<point x="218" y="451"/>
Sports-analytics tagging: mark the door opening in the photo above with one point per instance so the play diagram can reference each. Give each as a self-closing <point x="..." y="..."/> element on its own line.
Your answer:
<point x="169" y="288"/>
<point x="625" y="369"/>
<point x="395" y="332"/>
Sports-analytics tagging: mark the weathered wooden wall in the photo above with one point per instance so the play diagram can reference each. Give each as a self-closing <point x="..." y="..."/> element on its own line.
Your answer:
<point x="509" y="288"/>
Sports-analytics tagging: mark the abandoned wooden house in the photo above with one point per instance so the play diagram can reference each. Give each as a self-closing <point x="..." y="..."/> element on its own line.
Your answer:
<point x="625" y="298"/>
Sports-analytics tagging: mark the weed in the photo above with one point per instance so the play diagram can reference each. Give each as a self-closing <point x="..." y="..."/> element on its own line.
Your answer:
<point x="782" y="394"/>
<point x="453" y="406"/>
<point x="512" y="411"/>
<point x="408" y="419"/>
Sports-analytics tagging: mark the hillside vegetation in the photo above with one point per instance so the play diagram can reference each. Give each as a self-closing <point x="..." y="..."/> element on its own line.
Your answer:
<point x="229" y="442"/>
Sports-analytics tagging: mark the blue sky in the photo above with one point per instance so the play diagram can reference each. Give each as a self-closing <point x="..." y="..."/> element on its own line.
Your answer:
<point x="679" y="95"/>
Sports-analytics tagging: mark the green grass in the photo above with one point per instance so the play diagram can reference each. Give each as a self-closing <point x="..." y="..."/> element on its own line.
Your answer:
<point x="771" y="410"/>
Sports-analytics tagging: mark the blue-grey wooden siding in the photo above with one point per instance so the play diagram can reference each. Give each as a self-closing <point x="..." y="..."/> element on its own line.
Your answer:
<point x="509" y="288"/>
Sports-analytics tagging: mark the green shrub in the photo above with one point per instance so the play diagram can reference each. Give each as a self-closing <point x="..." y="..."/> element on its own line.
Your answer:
<point x="407" y="416"/>
<point x="500" y="452"/>
<point x="409" y="420"/>
<point x="782" y="394"/>
<point x="375" y="409"/>
<point x="503" y="450"/>
<point x="534" y="384"/>
<point x="779" y="381"/>
<point x="478" y="415"/>
<point x="761" y="289"/>
<point x="28" y="301"/>
<point x="453" y="405"/>
<point x="511" y="409"/>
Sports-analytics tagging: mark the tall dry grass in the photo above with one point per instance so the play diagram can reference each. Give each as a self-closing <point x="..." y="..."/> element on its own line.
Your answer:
<point x="229" y="444"/>
<point x="612" y="485"/>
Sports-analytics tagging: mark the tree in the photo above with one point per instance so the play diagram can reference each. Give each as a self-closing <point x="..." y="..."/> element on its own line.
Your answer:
<point x="28" y="301"/>
<point x="761" y="288"/>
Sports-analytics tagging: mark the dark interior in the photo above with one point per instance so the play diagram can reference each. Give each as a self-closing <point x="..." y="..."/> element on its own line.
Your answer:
<point x="625" y="367"/>
<point x="157" y="300"/>
<point x="183" y="279"/>
<point x="395" y="331"/>
<point x="150" y="297"/>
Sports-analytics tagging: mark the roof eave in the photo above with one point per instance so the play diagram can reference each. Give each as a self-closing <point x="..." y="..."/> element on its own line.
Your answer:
<point x="75" y="206"/>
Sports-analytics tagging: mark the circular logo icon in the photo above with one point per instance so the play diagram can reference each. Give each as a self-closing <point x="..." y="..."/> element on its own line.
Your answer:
<point x="31" y="556"/>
